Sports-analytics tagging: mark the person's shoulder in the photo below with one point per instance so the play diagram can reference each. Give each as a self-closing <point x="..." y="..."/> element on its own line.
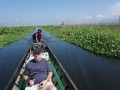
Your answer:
<point x="43" y="59"/>
<point x="46" y="61"/>
<point x="32" y="61"/>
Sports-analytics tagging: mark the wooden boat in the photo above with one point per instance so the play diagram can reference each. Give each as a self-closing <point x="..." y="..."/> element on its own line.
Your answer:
<point x="60" y="77"/>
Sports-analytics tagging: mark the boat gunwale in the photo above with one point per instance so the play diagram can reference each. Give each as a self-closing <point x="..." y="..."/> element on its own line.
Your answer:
<point x="62" y="69"/>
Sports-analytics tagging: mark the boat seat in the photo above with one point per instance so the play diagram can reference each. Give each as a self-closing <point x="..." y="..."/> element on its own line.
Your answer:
<point x="27" y="82"/>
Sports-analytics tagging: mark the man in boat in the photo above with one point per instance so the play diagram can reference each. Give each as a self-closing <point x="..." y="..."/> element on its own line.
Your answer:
<point x="36" y="37"/>
<point x="38" y="73"/>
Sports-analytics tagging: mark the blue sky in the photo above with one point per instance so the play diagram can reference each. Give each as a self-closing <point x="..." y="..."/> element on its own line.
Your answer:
<point x="53" y="12"/>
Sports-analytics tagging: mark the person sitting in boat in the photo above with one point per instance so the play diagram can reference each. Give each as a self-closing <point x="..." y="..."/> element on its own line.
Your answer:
<point x="37" y="36"/>
<point x="38" y="72"/>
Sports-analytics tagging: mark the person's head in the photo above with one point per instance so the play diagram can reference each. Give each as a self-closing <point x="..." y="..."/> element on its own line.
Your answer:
<point x="37" y="52"/>
<point x="39" y="30"/>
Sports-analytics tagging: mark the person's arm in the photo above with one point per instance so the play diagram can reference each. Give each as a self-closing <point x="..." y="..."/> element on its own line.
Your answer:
<point x="42" y="84"/>
<point x="26" y="78"/>
<point x="49" y="76"/>
<point x="50" y="72"/>
<point x="41" y="34"/>
<point x="36" y="38"/>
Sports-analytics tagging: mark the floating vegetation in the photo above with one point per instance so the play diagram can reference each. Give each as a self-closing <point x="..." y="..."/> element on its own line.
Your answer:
<point x="11" y="34"/>
<point x="103" y="39"/>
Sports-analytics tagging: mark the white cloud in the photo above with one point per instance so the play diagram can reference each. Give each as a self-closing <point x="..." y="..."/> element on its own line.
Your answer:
<point x="113" y="13"/>
<point x="101" y="16"/>
<point x="88" y="17"/>
<point x="16" y="20"/>
<point x="115" y="10"/>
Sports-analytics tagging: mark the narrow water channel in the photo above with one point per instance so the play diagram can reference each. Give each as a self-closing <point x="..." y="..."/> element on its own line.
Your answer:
<point x="87" y="70"/>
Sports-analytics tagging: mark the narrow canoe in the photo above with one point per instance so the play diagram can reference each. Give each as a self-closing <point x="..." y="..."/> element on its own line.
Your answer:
<point x="60" y="77"/>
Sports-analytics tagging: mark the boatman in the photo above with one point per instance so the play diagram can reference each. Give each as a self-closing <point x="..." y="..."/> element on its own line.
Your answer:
<point x="37" y="36"/>
<point x="38" y="72"/>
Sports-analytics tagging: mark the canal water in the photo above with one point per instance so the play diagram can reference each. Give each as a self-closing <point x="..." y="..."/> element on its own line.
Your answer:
<point x="87" y="70"/>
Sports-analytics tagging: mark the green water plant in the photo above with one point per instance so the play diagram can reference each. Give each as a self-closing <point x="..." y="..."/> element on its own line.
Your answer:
<point x="104" y="40"/>
<point x="11" y="34"/>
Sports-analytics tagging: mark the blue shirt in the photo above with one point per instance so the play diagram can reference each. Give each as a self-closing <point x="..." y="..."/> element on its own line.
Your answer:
<point x="40" y="68"/>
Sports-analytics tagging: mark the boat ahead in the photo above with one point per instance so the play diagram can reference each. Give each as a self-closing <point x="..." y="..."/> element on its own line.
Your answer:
<point x="60" y="78"/>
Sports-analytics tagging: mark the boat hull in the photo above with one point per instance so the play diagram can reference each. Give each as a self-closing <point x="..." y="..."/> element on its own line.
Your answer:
<point x="60" y="77"/>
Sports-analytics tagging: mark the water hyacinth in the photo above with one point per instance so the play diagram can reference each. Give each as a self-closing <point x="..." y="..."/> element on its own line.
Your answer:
<point x="103" y="40"/>
<point x="14" y="33"/>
